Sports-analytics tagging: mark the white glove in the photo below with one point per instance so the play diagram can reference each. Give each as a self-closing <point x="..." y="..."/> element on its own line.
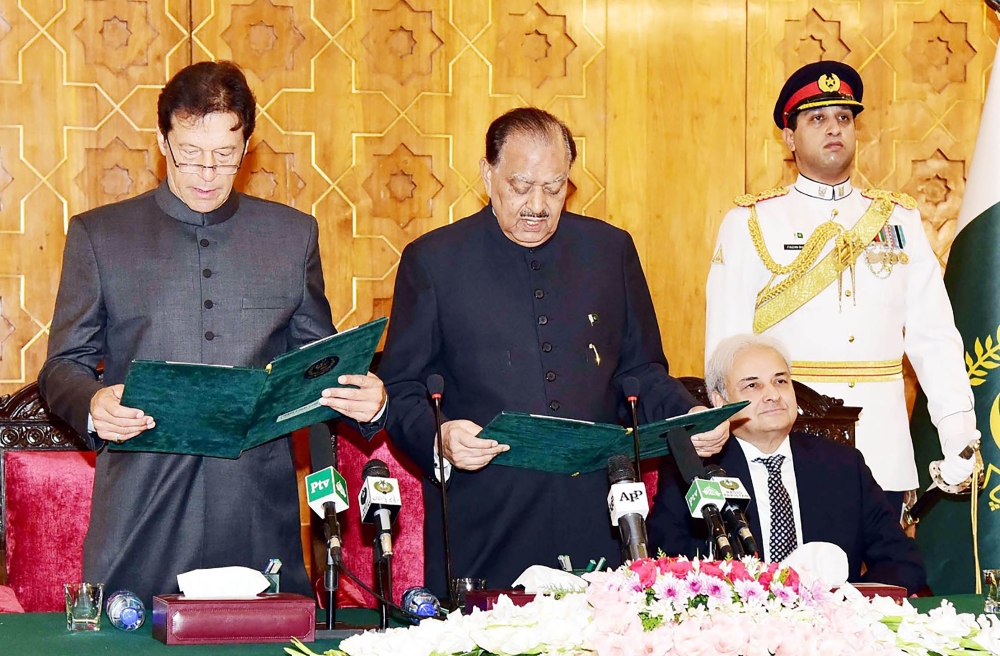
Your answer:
<point x="954" y="468"/>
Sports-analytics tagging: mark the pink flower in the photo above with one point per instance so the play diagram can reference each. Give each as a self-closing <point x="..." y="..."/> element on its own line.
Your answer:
<point x="751" y="592"/>
<point x="697" y="584"/>
<point x="670" y="588"/>
<point x="646" y="569"/>
<point x="738" y="572"/>
<point x="718" y="590"/>
<point x="691" y="639"/>
<point x="767" y="575"/>
<point x="619" y="619"/>
<point x="711" y="568"/>
<point x="729" y="636"/>
<point x="679" y="568"/>
<point x="791" y="579"/>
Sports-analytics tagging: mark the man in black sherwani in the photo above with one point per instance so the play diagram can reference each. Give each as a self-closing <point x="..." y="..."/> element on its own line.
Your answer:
<point x="521" y="307"/>
<point x="191" y="271"/>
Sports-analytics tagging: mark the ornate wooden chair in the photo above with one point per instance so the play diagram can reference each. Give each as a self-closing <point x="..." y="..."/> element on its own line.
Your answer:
<point x="46" y="480"/>
<point x="818" y="414"/>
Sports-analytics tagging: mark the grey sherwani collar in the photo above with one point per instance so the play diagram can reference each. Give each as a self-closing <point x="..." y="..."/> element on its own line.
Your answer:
<point x="175" y="208"/>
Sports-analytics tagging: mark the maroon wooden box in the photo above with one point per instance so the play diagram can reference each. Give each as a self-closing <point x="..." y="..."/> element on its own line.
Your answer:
<point x="266" y="618"/>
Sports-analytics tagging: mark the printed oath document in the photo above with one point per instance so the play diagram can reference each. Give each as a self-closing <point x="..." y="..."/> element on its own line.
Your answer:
<point x="211" y="410"/>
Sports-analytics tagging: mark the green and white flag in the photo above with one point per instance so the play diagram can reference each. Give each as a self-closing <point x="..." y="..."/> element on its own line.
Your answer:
<point x="945" y="535"/>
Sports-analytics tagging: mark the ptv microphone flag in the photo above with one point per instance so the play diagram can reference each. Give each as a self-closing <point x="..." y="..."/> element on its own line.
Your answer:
<point x="704" y="493"/>
<point x="324" y="486"/>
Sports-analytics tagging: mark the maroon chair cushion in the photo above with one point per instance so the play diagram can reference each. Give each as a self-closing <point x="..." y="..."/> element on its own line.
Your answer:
<point x="48" y="510"/>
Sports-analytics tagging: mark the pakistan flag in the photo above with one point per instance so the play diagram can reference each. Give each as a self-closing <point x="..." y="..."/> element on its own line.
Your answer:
<point x="946" y="534"/>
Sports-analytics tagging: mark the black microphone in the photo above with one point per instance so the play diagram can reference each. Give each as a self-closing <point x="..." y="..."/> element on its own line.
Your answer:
<point x="630" y="387"/>
<point x="435" y="387"/>
<point x="379" y="501"/>
<point x="331" y="531"/>
<point x="704" y="498"/>
<point x="628" y="506"/>
<point x="737" y="499"/>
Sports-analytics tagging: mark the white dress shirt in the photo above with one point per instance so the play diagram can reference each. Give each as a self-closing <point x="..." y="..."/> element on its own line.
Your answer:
<point x="758" y="477"/>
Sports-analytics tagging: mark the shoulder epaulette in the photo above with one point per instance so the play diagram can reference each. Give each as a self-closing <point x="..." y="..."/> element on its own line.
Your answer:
<point x="895" y="197"/>
<point x="749" y="200"/>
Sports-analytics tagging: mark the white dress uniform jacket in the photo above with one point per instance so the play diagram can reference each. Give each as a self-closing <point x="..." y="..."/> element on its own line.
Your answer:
<point x="848" y="340"/>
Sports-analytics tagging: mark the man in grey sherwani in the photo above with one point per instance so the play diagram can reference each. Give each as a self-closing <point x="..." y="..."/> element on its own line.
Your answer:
<point x="190" y="272"/>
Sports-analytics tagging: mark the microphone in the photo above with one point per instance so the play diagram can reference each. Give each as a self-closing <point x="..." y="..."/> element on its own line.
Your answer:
<point x="379" y="501"/>
<point x="326" y="494"/>
<point x="630" y="387"/>
<point x="704" y="498"/>
<point x="737" y="499"/>
<point x="435" y="387"/>
<point x="628" y="506"/>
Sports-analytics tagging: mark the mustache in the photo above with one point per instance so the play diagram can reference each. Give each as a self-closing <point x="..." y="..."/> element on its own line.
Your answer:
<point x="528" y="214"/>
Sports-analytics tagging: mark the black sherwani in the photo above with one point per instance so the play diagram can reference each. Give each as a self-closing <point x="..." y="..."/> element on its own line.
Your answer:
<point x="551" y="330"/>
<point x="149" y="278"/>
<point x="839" y="502"/>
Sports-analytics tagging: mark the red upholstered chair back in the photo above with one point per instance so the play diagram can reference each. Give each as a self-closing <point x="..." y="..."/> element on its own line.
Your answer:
<point x="353" y="452"/>
<point x="47" y="511"/>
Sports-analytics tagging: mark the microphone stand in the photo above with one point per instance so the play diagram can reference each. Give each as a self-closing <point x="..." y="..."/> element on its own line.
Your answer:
<point x="331" y="581"/>
<point x="331" y="577"/>
<point x="382" y="567"/>
<point x="436" y="398"/>
<point x="633" y="403"/>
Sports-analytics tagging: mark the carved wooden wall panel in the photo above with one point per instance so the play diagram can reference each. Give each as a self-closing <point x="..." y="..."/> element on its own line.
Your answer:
<point x="925" y="66"/>
<point x="380" y="109"/>
<point x="78" y="84"/>
<point x="372" y="116"/>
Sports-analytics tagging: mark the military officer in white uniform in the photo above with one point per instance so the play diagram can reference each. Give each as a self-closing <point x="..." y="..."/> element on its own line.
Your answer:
<point x="847" y="279"/>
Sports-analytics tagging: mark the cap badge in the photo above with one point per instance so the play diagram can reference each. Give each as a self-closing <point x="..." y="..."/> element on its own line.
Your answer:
<point x="829" y="82"/>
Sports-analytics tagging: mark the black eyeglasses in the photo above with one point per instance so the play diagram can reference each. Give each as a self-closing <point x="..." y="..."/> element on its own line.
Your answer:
<point x="219" y="169"/>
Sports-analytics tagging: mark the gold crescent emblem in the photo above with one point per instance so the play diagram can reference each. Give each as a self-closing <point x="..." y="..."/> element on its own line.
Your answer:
<point x="829" y="82"/>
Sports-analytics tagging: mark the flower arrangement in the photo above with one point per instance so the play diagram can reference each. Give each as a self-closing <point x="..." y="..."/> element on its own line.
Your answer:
<point x="942" y="630"/>
<point x="676" y="606"/>
<point x="682" y="607"/>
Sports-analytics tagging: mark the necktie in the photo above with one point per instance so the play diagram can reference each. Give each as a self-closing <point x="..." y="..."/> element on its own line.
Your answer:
<point x="783" y="540"/>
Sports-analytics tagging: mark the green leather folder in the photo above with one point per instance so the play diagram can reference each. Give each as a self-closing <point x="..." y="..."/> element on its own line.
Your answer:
<point x="569" y="446"/>
<point x="211" y="410"/>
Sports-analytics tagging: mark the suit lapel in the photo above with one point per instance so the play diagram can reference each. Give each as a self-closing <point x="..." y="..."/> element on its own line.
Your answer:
<point x="807" y="473"/>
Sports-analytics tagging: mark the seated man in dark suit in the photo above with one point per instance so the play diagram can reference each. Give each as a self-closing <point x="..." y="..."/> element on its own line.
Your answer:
<point x="804" y="488"/>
